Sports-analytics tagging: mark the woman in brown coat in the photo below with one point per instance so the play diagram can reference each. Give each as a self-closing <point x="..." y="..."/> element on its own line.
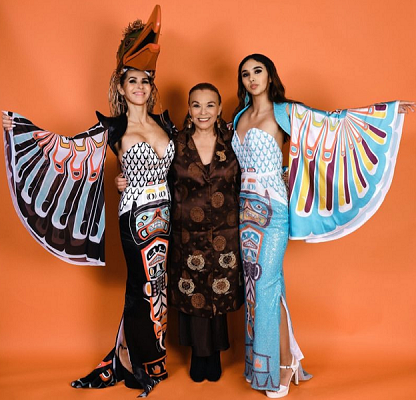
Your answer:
<point x="205" y="277"/>
<point x="205" y="274"/>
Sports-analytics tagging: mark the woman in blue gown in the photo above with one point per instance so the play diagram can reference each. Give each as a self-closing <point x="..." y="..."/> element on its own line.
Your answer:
<point x="262" y="122"/>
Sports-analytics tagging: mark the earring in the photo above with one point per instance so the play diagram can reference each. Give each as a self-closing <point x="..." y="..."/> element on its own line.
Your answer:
<point x="218" y="122"/>
<point x="189" y="123"/>
<point x="246" y="99"/>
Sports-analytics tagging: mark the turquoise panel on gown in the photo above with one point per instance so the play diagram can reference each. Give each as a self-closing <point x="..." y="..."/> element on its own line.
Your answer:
<point x="264" y="231"/>
<point x="341" y="166"/>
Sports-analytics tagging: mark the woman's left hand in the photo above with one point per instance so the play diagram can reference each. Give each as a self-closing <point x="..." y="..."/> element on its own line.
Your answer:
<point x="406" y="106"/>
<point x="7" y="121"/>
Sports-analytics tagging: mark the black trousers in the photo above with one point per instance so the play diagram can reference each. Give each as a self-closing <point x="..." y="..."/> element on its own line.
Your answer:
<point x="205" y="335"/>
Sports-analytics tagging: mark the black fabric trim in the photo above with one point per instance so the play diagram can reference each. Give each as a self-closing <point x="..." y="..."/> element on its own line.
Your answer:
<point x="117" y="126"/>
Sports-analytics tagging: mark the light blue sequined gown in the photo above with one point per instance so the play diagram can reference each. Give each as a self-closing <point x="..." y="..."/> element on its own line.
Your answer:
<point x="264" y="227"/>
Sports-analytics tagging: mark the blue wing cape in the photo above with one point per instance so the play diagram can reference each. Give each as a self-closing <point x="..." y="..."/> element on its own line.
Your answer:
<point x="341" y="166"/>
<point x="56" y="184"/>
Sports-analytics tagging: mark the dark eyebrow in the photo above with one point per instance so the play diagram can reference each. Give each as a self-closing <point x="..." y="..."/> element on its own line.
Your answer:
<point x="137" y="77"/>
<point x="254" y="68"/>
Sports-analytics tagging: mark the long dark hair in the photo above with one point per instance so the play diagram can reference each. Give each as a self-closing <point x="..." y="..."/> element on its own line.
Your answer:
<point x="205" y="86"/>
<point x="276" y="88"/>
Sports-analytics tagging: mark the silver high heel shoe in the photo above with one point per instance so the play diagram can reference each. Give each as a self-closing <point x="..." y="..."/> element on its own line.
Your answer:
<point x="284" y="390"/>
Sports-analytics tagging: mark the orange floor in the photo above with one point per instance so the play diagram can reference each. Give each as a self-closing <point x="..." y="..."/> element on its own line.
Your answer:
<point x="338" y="380"/>
<point x="338" y="374"/>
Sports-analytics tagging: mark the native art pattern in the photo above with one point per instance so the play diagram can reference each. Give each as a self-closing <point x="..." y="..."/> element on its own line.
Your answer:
<point x="57" y="188"/>
<point x="254" y="210"/>
<point x="263" y="238"/>
<point x="145" y="227"/>
<point x="264" y="173"/>
<point x="146" y="173"/>
<point x="252" y="207"/>
<point x="156" y="368"/>
<point x="56" y="183"/>
<point x="147" y="198"/>
<point x="251" y="239"/>
<point x="152" y="221"/>
<point x="154" y="260"/>
<point x="341" y="167"/>
<point x="101" y="377"/>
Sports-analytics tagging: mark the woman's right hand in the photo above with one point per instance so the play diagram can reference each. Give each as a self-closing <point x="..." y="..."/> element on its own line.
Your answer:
<point x="7" y="121"/>
<point x="120" y="182"/>
<point x="406" y="107"/>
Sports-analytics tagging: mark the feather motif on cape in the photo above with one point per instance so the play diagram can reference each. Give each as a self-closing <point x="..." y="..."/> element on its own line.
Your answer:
<point x="56" y="183"/>
<point x="341" y="167"/>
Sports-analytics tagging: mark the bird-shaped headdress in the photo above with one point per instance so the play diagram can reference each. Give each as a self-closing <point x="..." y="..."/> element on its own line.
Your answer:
<point x="139" y="49"/>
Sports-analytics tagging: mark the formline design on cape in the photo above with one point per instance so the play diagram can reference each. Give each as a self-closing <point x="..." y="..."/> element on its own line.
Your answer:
<point x="56" y="183"/>
<point x="340" y="168"/>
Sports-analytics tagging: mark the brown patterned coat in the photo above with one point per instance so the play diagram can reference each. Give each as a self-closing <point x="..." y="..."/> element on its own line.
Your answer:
<point x="205" y="275"/>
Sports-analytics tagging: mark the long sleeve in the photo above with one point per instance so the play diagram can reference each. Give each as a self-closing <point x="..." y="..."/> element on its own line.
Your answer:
<point x="56" y="184"/>
<point x="341" y="167"/>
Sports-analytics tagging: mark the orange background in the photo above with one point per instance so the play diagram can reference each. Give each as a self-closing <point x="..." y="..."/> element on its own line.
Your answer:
<point x="352" y="301"/>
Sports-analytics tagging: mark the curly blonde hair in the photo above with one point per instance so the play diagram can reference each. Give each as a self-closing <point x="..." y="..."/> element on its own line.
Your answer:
<point x="118" y="104"/>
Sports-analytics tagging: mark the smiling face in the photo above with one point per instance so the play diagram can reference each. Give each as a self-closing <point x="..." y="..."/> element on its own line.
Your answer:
<point x="136" y="87"/>
<point x="254" y="77"/>
<point x="204" y="108"/>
